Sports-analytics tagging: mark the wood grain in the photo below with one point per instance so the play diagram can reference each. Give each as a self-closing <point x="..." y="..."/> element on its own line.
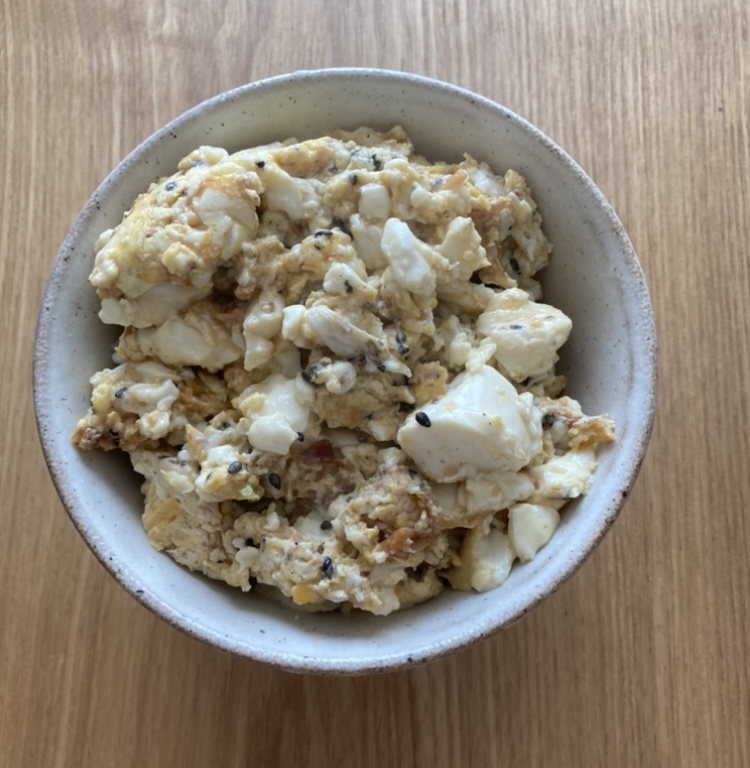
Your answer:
<point x="642" y="658"/>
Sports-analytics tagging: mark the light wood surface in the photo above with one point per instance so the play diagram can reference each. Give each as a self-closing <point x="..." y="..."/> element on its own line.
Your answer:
<point x="642" y="658"/>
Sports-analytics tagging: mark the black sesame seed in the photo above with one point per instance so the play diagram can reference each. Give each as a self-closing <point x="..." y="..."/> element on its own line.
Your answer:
<point x="353" y="179"/>
<point x="327" y="567"/>
<point x="515" y="327"/>
<point x="170" y="185"/>
<point x="401" y="346"/>
<point x="548" y="420"/>
<point x="300" y="437"/>
<point x="422" y="419"/>
<point x="121" y="392"/>
<point x="249" y="542"/>
<point x="326" y="525"/>
<point x="309" y="375"/>
<point x="339" y="223"/>
<point x="376" y="162"/>
<point x="234" y="467"/>
<point x="260" y="164"/>
<point x="323" y="233"/>
<point x="274" y="480"/>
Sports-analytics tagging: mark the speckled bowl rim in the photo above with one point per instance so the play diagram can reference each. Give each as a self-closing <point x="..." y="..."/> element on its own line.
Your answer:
<point x="286" y="660"/>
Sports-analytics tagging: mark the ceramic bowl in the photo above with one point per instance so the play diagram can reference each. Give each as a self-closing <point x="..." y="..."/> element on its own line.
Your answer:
<point x="609" y="361"/>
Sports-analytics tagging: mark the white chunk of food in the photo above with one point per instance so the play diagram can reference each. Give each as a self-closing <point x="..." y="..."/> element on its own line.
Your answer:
<point x="486" y="560"/>
<point x="481" y="423"/>
<point x="526" y="334"/>
<point x="530" y="527"/>
<point x="275" y="413"/>
<point x="410" y="258"/>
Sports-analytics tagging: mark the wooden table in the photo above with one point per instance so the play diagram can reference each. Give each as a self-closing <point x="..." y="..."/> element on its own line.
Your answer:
<point x="642" y="658"/>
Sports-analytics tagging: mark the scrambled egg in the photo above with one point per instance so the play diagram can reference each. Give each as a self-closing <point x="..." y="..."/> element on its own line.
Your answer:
<point x="336" y="374"/>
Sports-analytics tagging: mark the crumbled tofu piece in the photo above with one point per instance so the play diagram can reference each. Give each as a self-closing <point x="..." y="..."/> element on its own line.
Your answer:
<point x="410" y="259"/>
<point x="565" y="477"/>
<point x="462" y="247"/>
<point x="261" y="327"/>
<point x="274" y="412"/>
<point x="481" y="423"/>
<point x="199" y="336"/>
<point x="530" y="527"/>
<point x="374" y="202"/>
<point x="526" y="334"/>
<point x="486" y="557"/>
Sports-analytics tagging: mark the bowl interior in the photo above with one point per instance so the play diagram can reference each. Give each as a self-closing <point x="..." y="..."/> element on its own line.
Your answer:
<point x="609" y="361"/>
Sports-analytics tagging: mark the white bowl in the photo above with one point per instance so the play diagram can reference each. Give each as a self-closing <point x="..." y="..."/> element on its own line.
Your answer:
<point x="610" y="363"/>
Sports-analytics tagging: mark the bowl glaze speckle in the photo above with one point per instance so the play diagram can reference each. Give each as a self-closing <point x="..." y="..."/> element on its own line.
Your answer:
<point x="609" y="361"/>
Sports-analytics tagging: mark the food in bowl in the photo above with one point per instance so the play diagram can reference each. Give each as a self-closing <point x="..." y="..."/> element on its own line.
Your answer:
<point x="337" y="375"/>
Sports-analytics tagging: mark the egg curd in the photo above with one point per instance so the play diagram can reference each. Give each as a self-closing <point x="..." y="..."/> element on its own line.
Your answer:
<point x="336" y="374"/>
